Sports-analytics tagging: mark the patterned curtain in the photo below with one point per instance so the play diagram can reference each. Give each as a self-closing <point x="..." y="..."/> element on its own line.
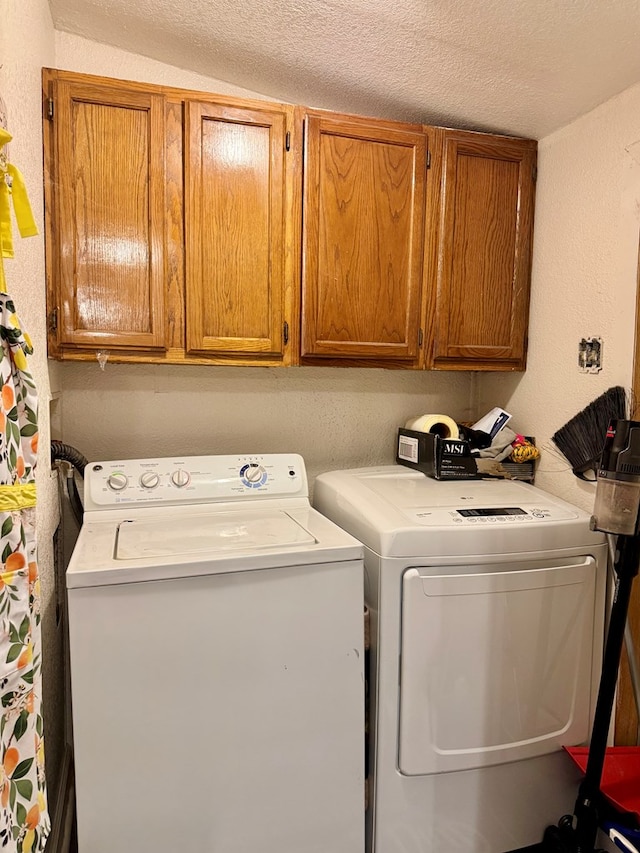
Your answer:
<point x="24" y="821"/>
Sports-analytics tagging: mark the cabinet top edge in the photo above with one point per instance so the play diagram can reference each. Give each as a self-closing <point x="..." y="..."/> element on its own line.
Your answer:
<point x="452" y="132"/>
<point x="355" y="119"/>
<point x="182" y="94"/>
<point x="169" y="92"/>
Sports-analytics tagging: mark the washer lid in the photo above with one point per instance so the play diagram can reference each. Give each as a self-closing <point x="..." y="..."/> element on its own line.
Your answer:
<point x="210" y="534"/>
<point x="169" y="543"/>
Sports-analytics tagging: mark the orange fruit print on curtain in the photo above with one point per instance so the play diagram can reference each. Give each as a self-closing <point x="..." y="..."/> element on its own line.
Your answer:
<point x="24" y="820"/>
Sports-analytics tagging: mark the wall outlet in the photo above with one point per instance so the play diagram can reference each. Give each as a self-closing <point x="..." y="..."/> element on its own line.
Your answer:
<point x="590" y="355"/>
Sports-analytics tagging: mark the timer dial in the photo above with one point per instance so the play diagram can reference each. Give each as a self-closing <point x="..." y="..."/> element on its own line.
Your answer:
<point x="253" y="475"/>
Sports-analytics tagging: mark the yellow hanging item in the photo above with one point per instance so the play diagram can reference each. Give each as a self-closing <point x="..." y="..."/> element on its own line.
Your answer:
<point x="18" y="496"/>
<point x="12" y="190"/>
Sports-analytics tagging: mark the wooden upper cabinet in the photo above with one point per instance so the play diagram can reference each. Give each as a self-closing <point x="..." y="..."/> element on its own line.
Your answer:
<point x="482" y="272"/>
<point x="363" y="225"/>
<point x="238" y="228"/>
<point x="107" y="174"/>
<point x="179" y="224"/>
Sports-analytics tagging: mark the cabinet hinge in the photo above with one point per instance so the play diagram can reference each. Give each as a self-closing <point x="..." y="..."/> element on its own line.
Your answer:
<point x="285" y="332"/>
<point x="420" y="337"/>
<point x="428" y="159"/>
<point x="534" y="174"/>
<point x="53" y="320"/>
<point x="50" y="109"/>
<point x="287" y="141"/>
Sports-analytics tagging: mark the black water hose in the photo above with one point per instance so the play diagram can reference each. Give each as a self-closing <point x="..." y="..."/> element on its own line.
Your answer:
<point x="67" y="453"/>
<point x="61" y="452"/>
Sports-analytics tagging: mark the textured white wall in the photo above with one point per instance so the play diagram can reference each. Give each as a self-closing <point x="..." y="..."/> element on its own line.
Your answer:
<point x="334" y="417"/>
<point x="26" y="44"/>
<point x="74" y="53"/>
<point x="584" y="278"/>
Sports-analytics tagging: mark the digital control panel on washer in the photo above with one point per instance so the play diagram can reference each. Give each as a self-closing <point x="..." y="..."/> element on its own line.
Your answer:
<point x="496" y="515"/>
<point x="194" y="479"/>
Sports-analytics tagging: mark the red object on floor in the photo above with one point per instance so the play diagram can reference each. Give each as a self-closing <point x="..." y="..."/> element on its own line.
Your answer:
<point x="620" y="776"/>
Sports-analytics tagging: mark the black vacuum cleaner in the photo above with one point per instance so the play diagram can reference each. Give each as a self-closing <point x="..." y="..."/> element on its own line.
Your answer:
<point x="616" y="511"/>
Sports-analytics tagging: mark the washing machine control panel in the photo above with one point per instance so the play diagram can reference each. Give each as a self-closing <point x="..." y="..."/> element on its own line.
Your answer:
<point x="194" y="479"/>
<point x="254" y="475"/>
<point x="488" y="515"/>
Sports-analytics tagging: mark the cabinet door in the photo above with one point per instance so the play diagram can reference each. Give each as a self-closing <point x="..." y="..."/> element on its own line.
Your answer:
<point x="108" y="184"/>
<point x="484" y="252"/>
<point x="236" y="229"/>
<point x="363" y="222"/>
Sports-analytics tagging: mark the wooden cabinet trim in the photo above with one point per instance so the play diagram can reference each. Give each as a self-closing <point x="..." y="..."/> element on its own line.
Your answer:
<point x="172" y="93"/>
<point x="362" y="124"/>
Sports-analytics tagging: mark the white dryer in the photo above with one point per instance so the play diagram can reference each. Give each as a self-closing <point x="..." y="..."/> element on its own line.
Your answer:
<point x="487" y="602"/>
<point x="216" y="635"/>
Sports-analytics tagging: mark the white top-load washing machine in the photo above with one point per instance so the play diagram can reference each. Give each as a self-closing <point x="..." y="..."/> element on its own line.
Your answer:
<point x="216" y="635"/>
<point x="487" y="602"/>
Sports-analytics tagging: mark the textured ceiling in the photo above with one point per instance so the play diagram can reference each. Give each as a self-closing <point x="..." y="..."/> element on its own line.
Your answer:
<point x="525" y="67"/>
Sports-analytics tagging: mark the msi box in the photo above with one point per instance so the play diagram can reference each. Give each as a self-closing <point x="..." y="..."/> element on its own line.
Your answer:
<point x="441" y="458"/>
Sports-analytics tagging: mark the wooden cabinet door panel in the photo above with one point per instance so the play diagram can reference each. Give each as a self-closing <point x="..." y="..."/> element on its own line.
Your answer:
<point x="235" y="229"/>
<point x="109" y="174"/>
<point x="484" y="254"/>
<point x="363" y="231"/>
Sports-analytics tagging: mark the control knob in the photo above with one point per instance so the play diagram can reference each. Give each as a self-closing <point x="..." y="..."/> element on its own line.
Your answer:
<point x="117" y="481"/>
<point x="254" y="473"/>
<point x="180" y="478"/>
<point x="149" y="480"/>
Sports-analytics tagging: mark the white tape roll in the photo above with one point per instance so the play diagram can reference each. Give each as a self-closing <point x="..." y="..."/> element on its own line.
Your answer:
<point x="441" y="425"/>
